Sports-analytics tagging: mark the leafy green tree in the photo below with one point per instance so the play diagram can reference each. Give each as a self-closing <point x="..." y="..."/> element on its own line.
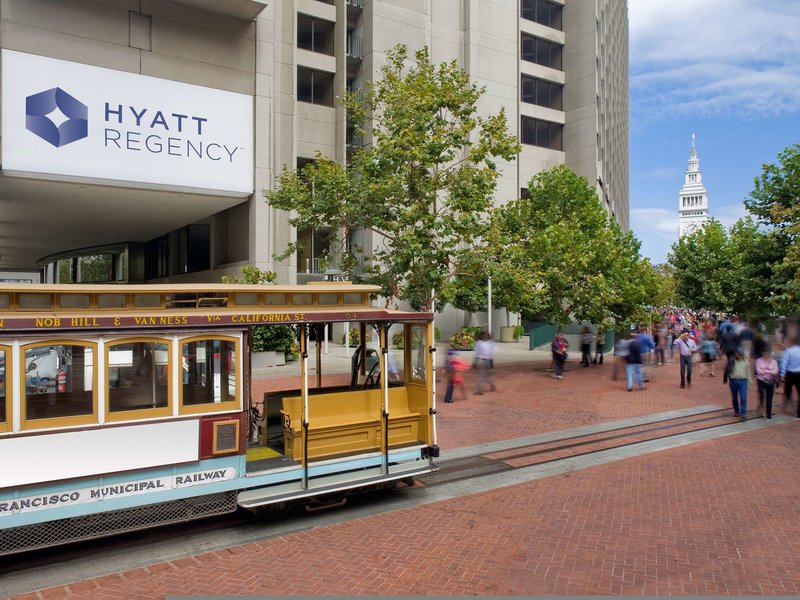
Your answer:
<point x="558" y="255"/>
<point x="424" y="184"/>
<point x="700" y="262"/>
<point x="775" y="202"/>
<point x="729" y="270"/>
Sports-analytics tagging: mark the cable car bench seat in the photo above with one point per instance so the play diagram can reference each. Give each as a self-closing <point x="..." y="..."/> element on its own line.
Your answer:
<point x="347" y="422"/>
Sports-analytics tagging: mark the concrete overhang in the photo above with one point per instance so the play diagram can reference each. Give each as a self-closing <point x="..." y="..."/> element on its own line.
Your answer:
<point x="242" y="9"/>
<point x="40" y="217"/>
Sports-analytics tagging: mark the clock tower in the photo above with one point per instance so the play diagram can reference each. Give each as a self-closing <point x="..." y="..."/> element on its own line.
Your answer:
<point x="693" y="200"/>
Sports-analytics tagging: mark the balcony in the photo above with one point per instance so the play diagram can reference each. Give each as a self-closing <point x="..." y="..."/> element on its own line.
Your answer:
<point x="354" y="53"/>
<point x="354" y="9"/>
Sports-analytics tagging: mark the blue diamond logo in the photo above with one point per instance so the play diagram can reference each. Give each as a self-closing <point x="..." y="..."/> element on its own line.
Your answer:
<point x="75" y="115"/>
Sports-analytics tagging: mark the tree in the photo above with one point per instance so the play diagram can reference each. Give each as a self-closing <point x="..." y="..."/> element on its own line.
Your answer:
<point x="558" y="255"/>
<point x="775" y="201"/>
<point x="700" y="261"/>
<point x="728" y="270"/>
<point x="424" y="185"/>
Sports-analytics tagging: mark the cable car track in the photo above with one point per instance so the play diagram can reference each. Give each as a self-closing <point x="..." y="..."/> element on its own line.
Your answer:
<point x="483" y="464"/>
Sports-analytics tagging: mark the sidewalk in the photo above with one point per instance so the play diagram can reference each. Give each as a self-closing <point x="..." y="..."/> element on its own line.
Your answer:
<point x="710" y="518"/>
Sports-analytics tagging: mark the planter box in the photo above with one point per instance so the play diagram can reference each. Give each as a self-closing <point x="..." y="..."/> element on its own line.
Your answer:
<point x="260" y="360"/>
<point x="507" y="334"/>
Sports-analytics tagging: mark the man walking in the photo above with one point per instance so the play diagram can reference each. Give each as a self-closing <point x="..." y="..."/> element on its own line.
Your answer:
<point x="686" y="347"/>
<point x="729" y="342"/>
<point x="790" y="372"/>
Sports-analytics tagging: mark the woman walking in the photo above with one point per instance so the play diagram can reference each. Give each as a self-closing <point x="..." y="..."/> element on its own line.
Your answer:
<point x="559" y="348"/>
<point x="767" y="375"/>
<point x="708" y="350"/>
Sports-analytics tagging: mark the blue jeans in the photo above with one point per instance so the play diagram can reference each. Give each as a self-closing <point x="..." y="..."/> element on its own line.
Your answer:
<point x="634" y="370"/>
<point x="686" y="369"/>
<point x="739" y="389"/>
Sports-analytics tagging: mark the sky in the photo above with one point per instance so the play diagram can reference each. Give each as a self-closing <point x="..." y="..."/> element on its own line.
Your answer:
<point x="727" y="71"/>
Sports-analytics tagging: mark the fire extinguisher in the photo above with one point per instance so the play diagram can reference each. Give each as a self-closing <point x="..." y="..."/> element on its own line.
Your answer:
<point x="61" y="379"/>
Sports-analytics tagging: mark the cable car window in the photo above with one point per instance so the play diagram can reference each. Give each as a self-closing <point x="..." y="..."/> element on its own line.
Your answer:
<point x="247" y="299"/>
<point x="301" y="299"/>
<point x="275" y="299"/>
<point x="5" y="300"/>
<point x="59" y="384"/>
<point x="4" y="389"/>
<point x="352" y="298"/>
<point x="419" y="371"/>
<point x="208" y="368"/>
<point x="138" y="378"/>
<point x="112" y="300"/>
<point x="74" y="301"/>
<point x="328" y="299"/>
<point x="35" y="301"/>
<point x="147" y="300"/>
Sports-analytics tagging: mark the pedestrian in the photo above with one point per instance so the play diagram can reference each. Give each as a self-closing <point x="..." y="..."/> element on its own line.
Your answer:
<point x="621" y="349"/>
<point x="671" y="343"/>
<point x="686" y="348"/>
<point x="484" y="357"/>
<point x="559" y="349"/>
<point x="739" y="378"/>
<point x="660" y="340"/>
<point x="790" y="372"/>
<point x="746" y="337"/>
<point x="767" y="375"/>
<point x="633" y="364"/>
<point x="586" y="346"/>
<point x="728" y="343"/>
<point x="454" y="369"/>
<point x="646" y="344"/>
<point x="599" y="347"/>
<point x="708" y="351"/>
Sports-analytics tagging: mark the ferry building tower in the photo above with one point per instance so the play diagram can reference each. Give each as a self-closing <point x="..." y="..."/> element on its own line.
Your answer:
<point x="693" y="202"/>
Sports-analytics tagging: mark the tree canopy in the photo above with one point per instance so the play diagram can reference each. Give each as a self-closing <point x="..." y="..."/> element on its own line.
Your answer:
<point x="728" y="270"/>
<point x="424" y="185"/>
<point x="775" y="202"/>
<point x="558" y="255"/>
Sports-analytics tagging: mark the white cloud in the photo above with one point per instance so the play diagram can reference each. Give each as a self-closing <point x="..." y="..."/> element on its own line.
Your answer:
<point x="712" y="57"/>
<point x="654" y="221"/>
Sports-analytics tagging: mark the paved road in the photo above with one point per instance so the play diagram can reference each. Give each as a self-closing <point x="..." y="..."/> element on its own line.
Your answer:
<point x="710" y="516"/>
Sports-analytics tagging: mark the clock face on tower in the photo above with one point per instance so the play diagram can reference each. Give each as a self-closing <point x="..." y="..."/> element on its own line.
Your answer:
<point x="691" y="227"/>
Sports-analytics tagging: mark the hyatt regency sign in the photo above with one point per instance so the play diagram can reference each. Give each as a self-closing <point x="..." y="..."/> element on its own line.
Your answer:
<point x="69" y="121"/>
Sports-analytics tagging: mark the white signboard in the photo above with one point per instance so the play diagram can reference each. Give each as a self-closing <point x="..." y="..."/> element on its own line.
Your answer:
<point x="69" y="121"/>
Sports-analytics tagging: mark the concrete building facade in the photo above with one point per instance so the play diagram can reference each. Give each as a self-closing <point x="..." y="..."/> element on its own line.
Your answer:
<point x="558" y="67"/>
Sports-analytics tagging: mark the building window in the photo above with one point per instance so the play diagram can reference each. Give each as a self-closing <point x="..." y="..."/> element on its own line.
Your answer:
<point x="315" y="34"/>
<point x="541" y="52"/>
<point x="542" y="12"/>
<point x="524" y="193"/>
<point x="541" y="133"/>
<point x="541" y="92"/>
<point x="314" y="86"/>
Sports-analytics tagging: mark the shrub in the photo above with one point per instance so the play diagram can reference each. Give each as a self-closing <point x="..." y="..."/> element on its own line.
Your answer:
<point x="399" y="340"/>
<point x="355" y="337"/>
<point x="519" y="331"/>
<point x="463" y="340"/>
<point x="275" y="338"/>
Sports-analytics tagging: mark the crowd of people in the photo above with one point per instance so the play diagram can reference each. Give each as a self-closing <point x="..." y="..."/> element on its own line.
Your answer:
<point x="688" y="338"/>
<point x="682" y="337"/>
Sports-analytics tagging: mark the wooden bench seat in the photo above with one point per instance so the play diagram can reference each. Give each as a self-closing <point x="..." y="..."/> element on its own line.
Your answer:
<point x="347" y="422"/>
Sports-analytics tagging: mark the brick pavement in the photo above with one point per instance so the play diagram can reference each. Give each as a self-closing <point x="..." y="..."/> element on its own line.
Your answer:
<point x="710" y="518"/>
